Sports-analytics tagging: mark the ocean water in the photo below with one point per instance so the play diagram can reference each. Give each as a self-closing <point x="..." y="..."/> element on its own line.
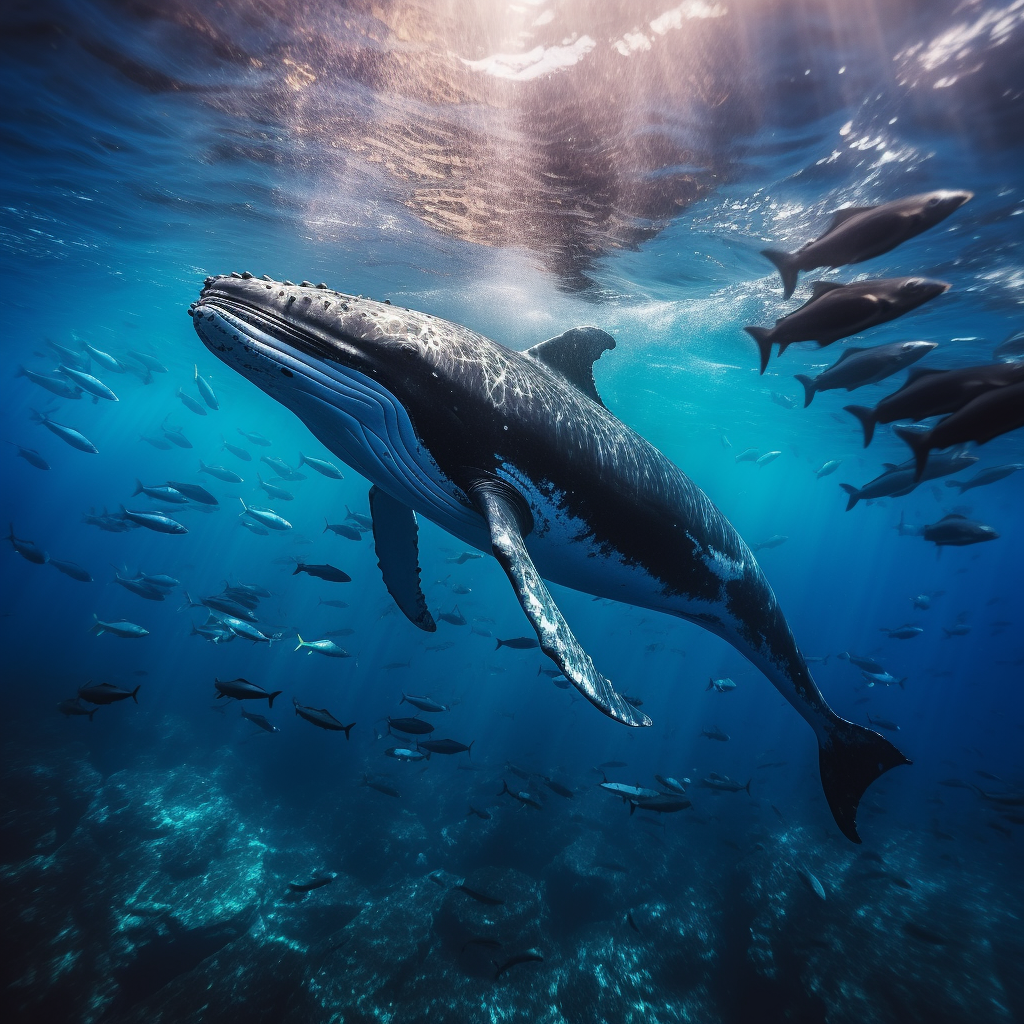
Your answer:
<point x="519" y="169"/>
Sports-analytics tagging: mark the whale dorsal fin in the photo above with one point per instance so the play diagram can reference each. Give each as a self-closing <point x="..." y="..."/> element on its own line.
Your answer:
<point x="573" y="355"/>
<point x="394" y="540"/>
<point x="819" y="288"/>
<point x="843" y="215"/>
<point x="553" y="632"/>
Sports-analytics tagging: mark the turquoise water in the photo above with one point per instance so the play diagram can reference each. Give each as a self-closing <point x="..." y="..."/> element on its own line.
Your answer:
<point x="520" y="175"/>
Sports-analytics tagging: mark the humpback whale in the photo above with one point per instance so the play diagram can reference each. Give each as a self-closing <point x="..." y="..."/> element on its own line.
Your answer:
<point x="514" y="453"/>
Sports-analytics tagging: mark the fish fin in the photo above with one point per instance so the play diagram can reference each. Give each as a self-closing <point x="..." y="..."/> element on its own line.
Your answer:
<point x="504" y="788"/>
<point x="867" y="420"/>
<point x="573" y="355"/>
<point x="135" y="693"/>
<point x="395" y="542"/>
<point x="276" y="693"/>
<point x="556" y="638"/>
<point x="843" y="215"/>
<point x="747" y="786"/>
<point x="632" y="807"/>
<point x="919" y="444"/>
<point x="138" y="488"/>
<point x="93" y="712"/>
<point x="786" y="264"/>
<point x="850" y="758"/>
<point x="853" y="493"/>
<point x="819" y="288"/>
<point x="301" y="641"/>
<point x="710" y="685"/>
<point x="762" y="335"/>
<point x="809" y="389"/>
<point x="346" y="729"/>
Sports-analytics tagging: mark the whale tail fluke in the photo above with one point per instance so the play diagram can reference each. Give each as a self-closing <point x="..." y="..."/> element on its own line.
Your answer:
<point x="762" y="335"/>
<point x="850" y="758"/>
<point x="809" y="388"/>
<point x="785" y="263"/>
<point x="867" y="420"/>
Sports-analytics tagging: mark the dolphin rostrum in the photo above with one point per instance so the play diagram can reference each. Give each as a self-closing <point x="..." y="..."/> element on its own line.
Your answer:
<point x="516" y="454"/>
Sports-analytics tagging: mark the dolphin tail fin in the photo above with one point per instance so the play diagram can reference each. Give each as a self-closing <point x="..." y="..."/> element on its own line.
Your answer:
<point x="276" y="693"/>
<point x="919" y="444"/>
<point x="762" y="335"/>
<point x="867" y="420"/>
<point x="809" y="388"/>
<point x="853" y="493"/>
<point x="850" y="758"/>
<point x="785" y="263"/>
<point x="346" y="729"/>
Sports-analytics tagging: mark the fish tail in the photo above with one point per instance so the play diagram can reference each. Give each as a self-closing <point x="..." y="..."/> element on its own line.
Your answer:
<point x="499" y="644"/>
<point x="919" y="444"/>
<point x="902" y="681"/>
<point x="504" y="788"/>
<point x="138" y="488"/>
<point x="35" y="416"/>
<point x="276" y="693"/>
<point x="135" y="694"/>
<point x="850" y="758"/>
<point x="867" y="420"/>
<point x="632" y="807"/>
<point x="302" y="643"/>
<point x="93" y="712"/>
<point x="762" y="335"/>
<point x="853" y="493"/>
<point x="785" y="263"/>
<point x="809" y="388"/>
<point x="747" y="786"/>
<point x="302" y="460"/>
<point x="298" y="568"/>
<point x="711" y="685"/>
<point x="347" y="729"/>
<point x="96" y="629"/>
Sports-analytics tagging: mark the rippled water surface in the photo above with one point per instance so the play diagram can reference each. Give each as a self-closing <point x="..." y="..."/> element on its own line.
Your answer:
<point x="520" y="169"/>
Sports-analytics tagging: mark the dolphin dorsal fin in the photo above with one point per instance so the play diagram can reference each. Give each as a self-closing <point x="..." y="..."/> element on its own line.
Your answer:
<point x="843" y="215"/>
<point x="573" y="355"/>
<point x="819" y="288"/>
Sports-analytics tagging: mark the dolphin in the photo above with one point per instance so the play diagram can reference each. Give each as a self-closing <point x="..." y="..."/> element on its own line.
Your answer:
<point x="515" y="453"/>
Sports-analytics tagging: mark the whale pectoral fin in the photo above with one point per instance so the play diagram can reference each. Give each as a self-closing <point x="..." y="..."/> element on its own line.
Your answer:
<point x="573" y="355"/>
<point x="553" y="632"/>
<point x="394" y="540"/>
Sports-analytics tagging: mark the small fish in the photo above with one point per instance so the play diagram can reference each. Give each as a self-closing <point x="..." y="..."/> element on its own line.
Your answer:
<point x="454" y="617"/>
<point x="193" y="492"/>
<point x="67" y="434"/>
<point x="72" y="569"/>
<point x="410" y="726"/>
<point x="265" y="517"/>
<point x="123" y="629"/>
<point x="106" y="693"/>
<point x="724" y="783"/>
<point x="206" y="391"/>
<point x="327" y="573"/>
<point x="105" y="359"/>
<point x="828" y="468"/>
<point x="721" y="685"/>
<point x="328" y="648"/>
<point x="160" y="493"/>
<point x="342" y="530"/>
<point x="254" y="437"/>
<point x="747" y="455"/>
<point x="381" y="787"/>
<point x="155" y="521"/>
<point x="28" y="549"/>
<point x="265" y="724"/>
<point x="316" y="882"/>
<point x="239" y="453"/>
<point x="715" y="734"/>
<point x="273" y="491"/>
<point x="242" y="689"/>
<point x="88" y="383"/>
<point x="260" y="531"/>
<point x="557" y="787"/>
<point x="58" y="386"/>
<point x="462" y="590"/>
<point x="767" y="457"/>
<point x="525" y="798"/>
<point x="157" y="442"/>
<point x="518" y="643"/>
<point x="902" y="632"/>
<point x="463" y="558"/>
<point x="423" y="703"/>
<point x="816" y="887"/>
<point x="177" y="437"/>
<point x="148" y="361"/>
<point x="73" y="706"/>
<point x="661" y="803"/>
<point x="671" y="784"/>
<point x="883" y="679"/>
<point x="359" y="518"/>
<point x="883" y="723"/>
<point x="473" y="812"/>
<point x="31" y="456"/>
<point x="446" y="746"/>
<point x="220" y="473"/>
<point x="405" y="754"/>
<point x="322" y="718"/>
<point x="190" y="403"/>
<point x="327" y="469"/>
<point x="73" y="357"/>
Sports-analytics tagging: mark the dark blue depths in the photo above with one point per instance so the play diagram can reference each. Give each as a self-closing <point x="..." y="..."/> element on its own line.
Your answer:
<point x="148" y="852"/>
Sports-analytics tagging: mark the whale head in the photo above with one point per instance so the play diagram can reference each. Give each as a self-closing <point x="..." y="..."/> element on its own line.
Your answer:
<point x="357" y="372"/>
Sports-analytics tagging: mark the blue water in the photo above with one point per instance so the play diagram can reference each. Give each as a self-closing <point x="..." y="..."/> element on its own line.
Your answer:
<point x="625" y="174"/>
